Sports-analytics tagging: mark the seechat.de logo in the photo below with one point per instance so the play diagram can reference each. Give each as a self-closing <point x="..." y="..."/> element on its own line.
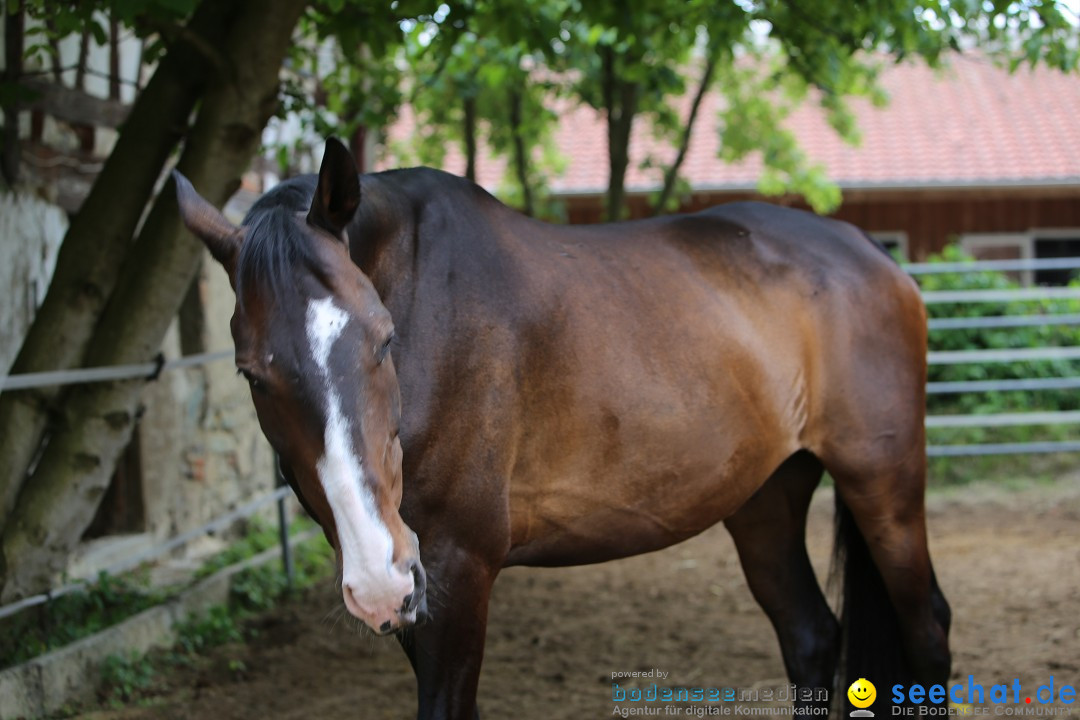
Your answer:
<point x="862" y="694"/>
<point x="969" y="698"/>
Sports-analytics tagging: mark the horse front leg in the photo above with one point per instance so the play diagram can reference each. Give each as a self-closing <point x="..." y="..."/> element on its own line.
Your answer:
<point x="447" y="648"/>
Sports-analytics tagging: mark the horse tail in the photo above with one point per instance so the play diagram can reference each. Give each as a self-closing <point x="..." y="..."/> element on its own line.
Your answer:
<point x="872" y="642"/>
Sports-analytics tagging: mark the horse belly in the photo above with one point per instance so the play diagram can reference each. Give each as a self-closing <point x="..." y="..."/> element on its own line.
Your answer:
<point x="656" y="423"/>
<point x="585" y="517"/>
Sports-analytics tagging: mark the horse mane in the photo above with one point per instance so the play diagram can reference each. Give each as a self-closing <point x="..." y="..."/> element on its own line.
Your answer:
<point x="275" y="243"/>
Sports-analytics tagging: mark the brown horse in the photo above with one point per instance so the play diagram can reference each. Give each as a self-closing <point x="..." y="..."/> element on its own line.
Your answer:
<point x="572" y="395"/>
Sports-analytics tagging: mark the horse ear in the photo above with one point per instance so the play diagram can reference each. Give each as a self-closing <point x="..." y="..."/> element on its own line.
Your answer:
<point x="207" y="223"/>
<point x="337" y="195"/>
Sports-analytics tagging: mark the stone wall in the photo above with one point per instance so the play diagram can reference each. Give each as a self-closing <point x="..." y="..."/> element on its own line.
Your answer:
<point x="202" y="450"/>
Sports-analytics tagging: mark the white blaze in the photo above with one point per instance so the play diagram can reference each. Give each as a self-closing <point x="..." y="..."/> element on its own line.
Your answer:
<point x="325" y="323"/>
<point x="366" y="545"/>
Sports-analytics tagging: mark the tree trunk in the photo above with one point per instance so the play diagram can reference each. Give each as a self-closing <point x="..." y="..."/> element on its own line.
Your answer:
<point x="672" y="173"/>
<point x="620" y="99"/>
<point x="470" y="137"/>
<point x="57" y="505"/>
<point x="358" y="147"/>
<point x="13" y="52"/>
<point x="114" y="57"/>
<point x="54" y="51"/>
<point x="521" y="157"/>
<point x="80" y="64"/>
<point x="97" y="241"/>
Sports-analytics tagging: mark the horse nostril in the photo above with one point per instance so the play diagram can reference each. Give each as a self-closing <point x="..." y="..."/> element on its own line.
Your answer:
<point x="419" y="577"/>
<point x="413" y="599"/>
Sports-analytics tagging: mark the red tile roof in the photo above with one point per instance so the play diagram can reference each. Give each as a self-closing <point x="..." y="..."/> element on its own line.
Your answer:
<point x="972" y="124"/>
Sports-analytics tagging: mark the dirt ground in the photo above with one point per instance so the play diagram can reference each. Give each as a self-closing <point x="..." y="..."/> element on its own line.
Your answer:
<point x="1008" y="561"/>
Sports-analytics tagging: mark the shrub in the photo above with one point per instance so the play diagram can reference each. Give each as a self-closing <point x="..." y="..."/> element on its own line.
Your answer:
<point x="216" y="627"/>
<point x="992" y="402"/>
<point x="73" y="616"/>
<point x="997" y="338"/>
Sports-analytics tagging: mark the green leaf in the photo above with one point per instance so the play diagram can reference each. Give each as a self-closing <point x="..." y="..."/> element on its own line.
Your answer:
<point x="98" y="31"/>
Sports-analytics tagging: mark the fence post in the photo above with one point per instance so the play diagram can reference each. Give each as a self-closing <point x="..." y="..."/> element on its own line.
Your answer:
<point x="283" y="525"/>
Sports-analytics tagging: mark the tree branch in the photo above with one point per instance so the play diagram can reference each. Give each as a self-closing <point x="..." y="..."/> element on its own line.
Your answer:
<point x="173" y="32"/>
<point x="13" y="51"/>
<point x="75" y="106"/>
<point x="521" y="160"/>
<point x="671" y="175"/>
<point x="620" y="99"/>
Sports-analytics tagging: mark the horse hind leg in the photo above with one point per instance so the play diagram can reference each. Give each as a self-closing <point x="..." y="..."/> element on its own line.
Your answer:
<point x="770" y="536"/>
<point x="896" y="619"/>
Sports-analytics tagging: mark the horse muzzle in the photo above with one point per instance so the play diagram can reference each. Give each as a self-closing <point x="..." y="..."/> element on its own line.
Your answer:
<point x="400" y="603"/>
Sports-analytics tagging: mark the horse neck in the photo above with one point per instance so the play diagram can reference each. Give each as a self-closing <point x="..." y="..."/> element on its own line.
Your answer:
<point x="422" y="236"/>
<point x="411" y="223"/>
<point x="381" y="237"/>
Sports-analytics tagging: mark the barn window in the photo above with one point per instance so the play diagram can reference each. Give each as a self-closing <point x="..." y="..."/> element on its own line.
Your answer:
<point x="1035" y="244"/>
<point x="1002" y="246"/>
<point x="1056" y="244"/>
<point x="895" y="241"/>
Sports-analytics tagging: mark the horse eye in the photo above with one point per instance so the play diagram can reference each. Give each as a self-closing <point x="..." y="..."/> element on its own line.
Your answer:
<point x="253" y="381"/>
<point x="381" y="353"/>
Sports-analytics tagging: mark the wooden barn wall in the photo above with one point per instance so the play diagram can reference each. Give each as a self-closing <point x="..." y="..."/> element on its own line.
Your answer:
<point x="930" y="219"/>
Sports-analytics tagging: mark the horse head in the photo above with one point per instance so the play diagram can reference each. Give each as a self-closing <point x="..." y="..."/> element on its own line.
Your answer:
<point x="313" y="340"/>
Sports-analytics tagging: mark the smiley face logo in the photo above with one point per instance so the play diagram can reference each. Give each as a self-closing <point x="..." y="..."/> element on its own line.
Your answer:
<point x="862" y="693"/>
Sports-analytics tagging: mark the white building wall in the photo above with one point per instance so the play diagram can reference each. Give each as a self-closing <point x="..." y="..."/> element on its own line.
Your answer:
<point x="30" y="234"/>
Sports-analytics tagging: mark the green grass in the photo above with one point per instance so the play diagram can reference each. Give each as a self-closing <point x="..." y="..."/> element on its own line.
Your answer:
<point x="113" y="599"/>
<point x="198" y="634"/>
<point x="258" y="537"/>
<point x="73" y="616"/>
<point x="253" y="590"/>
<point x="125" y="676"/>
<point x="259" y="588"/>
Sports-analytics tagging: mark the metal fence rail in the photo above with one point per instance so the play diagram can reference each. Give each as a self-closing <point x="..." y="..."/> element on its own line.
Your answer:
<point x="1055" y="417"/>
<point x="1023" y="384"/>
<point x="1021" y="448"/>
<point x="932" y="297"/>
<point x="962" y="357"/>
<point x="130" y="563"/>
<point x="141" y="371"/>
<point x="149" y="371"/>
<point x="1001" y="321"/>
<point x="1020" y="264"/>
<point x="1002" y="355"/>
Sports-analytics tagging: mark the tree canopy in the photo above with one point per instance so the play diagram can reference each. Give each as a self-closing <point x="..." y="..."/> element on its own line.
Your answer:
<point x="465" y="66"/>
